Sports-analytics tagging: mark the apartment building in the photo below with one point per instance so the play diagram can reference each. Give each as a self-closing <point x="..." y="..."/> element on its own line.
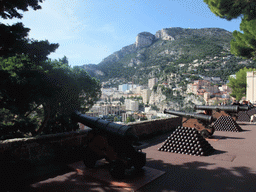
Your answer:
<point x="107" y="109"/>
<point x="127" y="87"/>
<point x="146" y="95"/>
<point x="131" y="105"/>
<point x="152" y="82"/>
<point x="199" y="87"/>
<point x="251" y="87"/>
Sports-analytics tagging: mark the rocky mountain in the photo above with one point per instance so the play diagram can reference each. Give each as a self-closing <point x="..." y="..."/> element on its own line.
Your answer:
<point x="189" y="52"/>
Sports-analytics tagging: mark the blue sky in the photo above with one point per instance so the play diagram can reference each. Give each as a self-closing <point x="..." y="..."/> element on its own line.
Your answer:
<point x="90" y="30"/>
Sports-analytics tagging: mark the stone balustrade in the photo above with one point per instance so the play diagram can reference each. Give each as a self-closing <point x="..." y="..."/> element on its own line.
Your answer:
<point x="68" y="147"/>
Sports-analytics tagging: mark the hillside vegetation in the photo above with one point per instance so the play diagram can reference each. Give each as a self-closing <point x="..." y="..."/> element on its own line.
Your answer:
<point x="188" y="52"/>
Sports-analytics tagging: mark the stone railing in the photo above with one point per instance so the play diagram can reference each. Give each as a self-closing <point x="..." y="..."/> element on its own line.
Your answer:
<point x="150" y="128"/>
<point x="42" y="149"/>
<point x="68" y="147"/>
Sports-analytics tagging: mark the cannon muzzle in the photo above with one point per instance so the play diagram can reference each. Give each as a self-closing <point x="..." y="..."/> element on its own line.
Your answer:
<point x="231" y="108"/>
<point x="203" y="117"/>
<point x="243" y="107"/>
<point x="106" y="127"/>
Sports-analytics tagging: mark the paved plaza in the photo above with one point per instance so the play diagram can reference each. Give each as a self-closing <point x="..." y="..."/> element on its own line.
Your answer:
<point x="232" y="167"/>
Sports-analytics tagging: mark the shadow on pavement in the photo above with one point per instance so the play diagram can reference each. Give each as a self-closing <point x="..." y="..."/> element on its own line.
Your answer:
<point x="194" y="177"/>
<point x="226" y="137"/>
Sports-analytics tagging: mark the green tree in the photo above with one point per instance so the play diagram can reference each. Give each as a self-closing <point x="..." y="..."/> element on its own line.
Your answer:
<point x="31" y="85"/>
<point x="71" y="89"/>
<point x="64" y="60"/>
<point x="14" y="40"/>
<point x="244" y="43"/>
<point x="122" y="99"/>
<point x="130" y="119"/>
<point x="55" y="86"/>
<point x="27" y="80"/>
<point x="238" y="83"/>
<point x="9" y="8"/>
<point x="19" y="95"/>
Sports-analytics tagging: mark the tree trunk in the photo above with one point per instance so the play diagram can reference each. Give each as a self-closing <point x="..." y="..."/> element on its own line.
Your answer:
<point x="47" y="112"/>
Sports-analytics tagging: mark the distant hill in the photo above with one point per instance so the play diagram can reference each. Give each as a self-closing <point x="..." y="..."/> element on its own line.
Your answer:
<point x="194" y="52"/>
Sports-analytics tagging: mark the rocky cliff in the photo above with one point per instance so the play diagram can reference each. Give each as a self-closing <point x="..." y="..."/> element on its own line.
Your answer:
<point x="144" y="39"/>
<point x="169" y="50"/>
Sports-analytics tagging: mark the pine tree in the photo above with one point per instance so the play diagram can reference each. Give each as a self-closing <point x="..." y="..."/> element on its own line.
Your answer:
<point x="9" y="8"/>
<point x="238" y="83"/>
<point x="243" y="44"/>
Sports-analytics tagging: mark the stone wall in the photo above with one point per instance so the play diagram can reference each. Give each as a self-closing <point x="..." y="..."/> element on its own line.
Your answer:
<point x="43" y="149"/>
<point x="68" y="147"/>
<point x="150" y="128"/>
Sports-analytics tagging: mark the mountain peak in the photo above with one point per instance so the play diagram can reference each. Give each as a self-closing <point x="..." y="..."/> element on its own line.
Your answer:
<point x="168" y="51"/>
<point x="144" y="39"/>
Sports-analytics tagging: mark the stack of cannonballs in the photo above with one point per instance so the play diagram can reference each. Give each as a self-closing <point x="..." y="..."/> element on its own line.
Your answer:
<point x="226" y="123"/>
<point x="246" y="115"/>
<point x="186" y="140"/>
<point x="251" y="112"/>
<point x="243" y="116"/>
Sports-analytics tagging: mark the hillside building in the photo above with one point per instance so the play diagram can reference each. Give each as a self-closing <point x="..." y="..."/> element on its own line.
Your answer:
<point x="152" y="82"/>
<point x="131" y="105"/>
<point x="107" y="109"/>
<point x="251" y="87"/>
<point x="146" y="95"/>
<point x="127" y="87"/>
<point x="199" y="87"/>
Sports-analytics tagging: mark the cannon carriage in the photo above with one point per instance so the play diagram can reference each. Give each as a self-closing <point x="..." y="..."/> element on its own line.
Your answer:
<point x="223" y="110"/>
<point x="202" y="122"/>
<point x="226" y="116"/>
<point x="113" y="142"/>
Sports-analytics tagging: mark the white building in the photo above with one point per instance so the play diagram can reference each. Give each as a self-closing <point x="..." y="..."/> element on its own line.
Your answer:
<point x="138" y="89"/>
<point x="146" y="95"/>
<point x="127" y="87"/>
<point x="131" y="105"/>
<point x="107" y="109"/>
<point x="251" y="87"/>
<point x="152" y="82"/>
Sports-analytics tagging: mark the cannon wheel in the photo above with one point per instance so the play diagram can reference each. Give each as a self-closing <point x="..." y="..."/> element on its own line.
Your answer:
<point x="205" y="133"/>
<point x="140" y="160"/>
<point x="90" y="158"/>
<point x="117" y="169"/>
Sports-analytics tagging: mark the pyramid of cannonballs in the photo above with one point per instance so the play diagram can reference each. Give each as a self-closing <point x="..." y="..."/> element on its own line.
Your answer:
<point x="226" y="123"/>
<point x="246" y="115"/>
<point x="243" y="116"/>
<point x="186" y="140"/>
<point x="251" y="111"/>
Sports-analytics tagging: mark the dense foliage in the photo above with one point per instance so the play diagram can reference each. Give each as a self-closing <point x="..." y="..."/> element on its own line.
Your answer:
<point x="238" y="83"/>
<point x="10" y="8"/>
<point x="40" y="99"/>
<point x="37" y="95"/>
<point x="244" y="43"/>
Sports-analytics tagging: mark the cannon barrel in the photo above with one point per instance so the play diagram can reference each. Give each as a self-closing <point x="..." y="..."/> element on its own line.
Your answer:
<point x="243" y="107"/>
<point x="231" y="108"/>
<point x="203" y="117"/>
<point x="106" y="127"/>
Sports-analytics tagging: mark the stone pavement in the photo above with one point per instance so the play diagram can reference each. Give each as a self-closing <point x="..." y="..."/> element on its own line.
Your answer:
<point x="232" y="167"/>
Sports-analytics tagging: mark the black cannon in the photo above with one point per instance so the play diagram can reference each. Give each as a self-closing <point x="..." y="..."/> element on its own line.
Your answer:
<point x="202" y="122"/>
<point x="111" y="141"/>
<point x="225" y="110"/>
